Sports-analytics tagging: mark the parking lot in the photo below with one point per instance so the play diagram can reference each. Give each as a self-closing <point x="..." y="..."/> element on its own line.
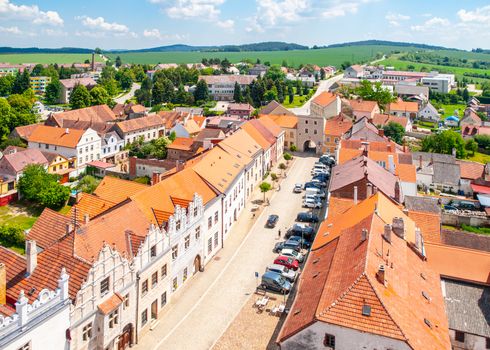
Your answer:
<point x="212" y="300"/>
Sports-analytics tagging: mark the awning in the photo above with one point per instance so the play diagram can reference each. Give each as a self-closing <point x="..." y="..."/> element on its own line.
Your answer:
<point x="110" y="304"/>
<point x="484" y="200"/>
<point x="480" y="189"/>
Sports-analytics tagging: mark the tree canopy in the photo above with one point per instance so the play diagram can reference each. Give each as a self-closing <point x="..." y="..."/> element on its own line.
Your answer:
<point x="445" y="142"/>
<point x="395" y="132"/>
<point x="80" y="97"/>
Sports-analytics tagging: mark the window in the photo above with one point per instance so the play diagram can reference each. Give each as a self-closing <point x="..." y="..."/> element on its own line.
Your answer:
<point x="175" y="285"/>
<point x="113" y="318"/>
<point x="177" y="225"/>
<point x="329" y="340"/>
<point x="46" y="146"/>
<point x="314" y="122"/>
<point x="306" y="121"/>
<point x="163" y="273"/>
<point x="216" y="217"/>
<point x="487" y="343"/>
<point x="315" y="132"/>
<point x="216" y="239"/>
<point x="87" y="332"/>
<point x="187" y="242"/>
<point x="210" y="245"/>
<point x="26" y="346"/>
<point x="153" y="251"/>
<point x="104" y="286"/>
<point x="459" y="336"/>
<point x="154" y="279"/>
<point x="184" y="275"/>
<point x="175" y="252"/>
<point x="144" y="317"/>
<point x="195" y="211"/>
<point x="198" y="232"/>
<point x="126" y="301"/>
<point x="144" y="287"/>
<point x="306" y="131"/>
<point x="210" y="222"/>
<point x="163" y="299"/>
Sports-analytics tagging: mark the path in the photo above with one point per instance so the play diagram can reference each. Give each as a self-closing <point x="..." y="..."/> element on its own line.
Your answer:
<point x="200" y="313"/>
<point x="129" y="95"/>
<point x="323" y="86"/>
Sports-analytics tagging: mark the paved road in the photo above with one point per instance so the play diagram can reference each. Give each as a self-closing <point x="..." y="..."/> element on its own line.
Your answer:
<point x="200" y="313"/>
<point x="129" y="95"/>
<point x="323" y="86"/>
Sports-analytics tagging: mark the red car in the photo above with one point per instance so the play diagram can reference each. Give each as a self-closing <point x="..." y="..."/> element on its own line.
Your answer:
<point x="290" y="263"/>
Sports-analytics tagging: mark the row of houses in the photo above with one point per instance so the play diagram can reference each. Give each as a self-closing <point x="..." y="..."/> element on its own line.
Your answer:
<point x="112" y="264"/>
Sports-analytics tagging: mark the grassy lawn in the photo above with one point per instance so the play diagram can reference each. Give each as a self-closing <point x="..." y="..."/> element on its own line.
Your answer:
<point x="480" y="158"/>
<point x="449" y="109"/>
<point x="47" y="58"/>
<point x="298" y="101"/>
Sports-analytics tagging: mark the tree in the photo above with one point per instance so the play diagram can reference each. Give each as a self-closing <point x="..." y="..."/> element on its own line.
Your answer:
<point x="21" y="82"/>
<point x="287" y="156"/>
<point x="88" y="184"/>
<point x="265" y="187"/>
<point x="6" y="83"/>
<point x="201" y="93"/>
<point x="118" y="62"/>
<point x="237" y="93"/>
<point x="445" y="142"/>
<point x="293" y="148"/>
<point x="395" y="132"/>
<point x="471" y="146"/>
<point x="38" y="186"/>
<point x="99" y="96"/>
<point x="53" y="92"/>
<point x="374" y="92"/>
<point x="283" y="167"/>
<point x="80" y="97"/>
<point x="322" y="74"/>
<point x="465" y="95"/>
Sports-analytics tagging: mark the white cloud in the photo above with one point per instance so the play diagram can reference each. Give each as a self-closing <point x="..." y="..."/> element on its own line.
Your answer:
<point x="339" y="8"/>
<point x="271" y="13"/>
<point x="480" y="15"/>
<point x="54" y="32"/>
<point x="431" y="24"/>
<point x="32" y="13"/>
<point x="10" y="30"/>
<point x="156" y="34"/>
<point x="226" y="24"/>
<point x="394" y="19"/>
<point x="101" y="24"/>
<point x="205" y="9"/>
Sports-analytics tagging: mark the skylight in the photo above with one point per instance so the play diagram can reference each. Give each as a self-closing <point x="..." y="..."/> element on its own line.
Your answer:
<point x="366" y="310"/>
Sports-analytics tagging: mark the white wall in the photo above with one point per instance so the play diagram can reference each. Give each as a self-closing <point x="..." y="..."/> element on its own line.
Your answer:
<point x="209" y="232"/>
<point x="409" y="188"/>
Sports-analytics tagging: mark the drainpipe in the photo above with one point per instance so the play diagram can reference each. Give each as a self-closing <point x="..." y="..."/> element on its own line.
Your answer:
<point x="137" y="307"/>
<point x="222" y="224"/>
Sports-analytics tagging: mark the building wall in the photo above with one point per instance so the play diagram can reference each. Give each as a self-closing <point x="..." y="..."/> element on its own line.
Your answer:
<point x="471" y="341"/>
<point x="122" y="278"/>
<point x="331" y="143"/>
<point x="112" y="146"/>
<point x="209" y="232"/>
<point x="290" y="137"/>
<point x="441" y="85"/>
<point x="233" y="202"/>
<point x="408" y="188"/>
<point x="312" y="338"/>
<point x="311" y="128"/>
<point x="427" y="113"/>
<point x="147" y="134"/>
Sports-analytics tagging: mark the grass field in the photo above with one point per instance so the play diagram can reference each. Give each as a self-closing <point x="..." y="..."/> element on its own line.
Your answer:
<point x="322" y="57"/>
<point x="46" y="58"/>
<point x="458" y="71"/>
<point x="480" y="158"/>
<point x="449" y="110"/>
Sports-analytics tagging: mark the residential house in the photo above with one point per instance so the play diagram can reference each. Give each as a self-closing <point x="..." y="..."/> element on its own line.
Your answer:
<point x="60" y="165"/>
<point x="137" y="111"/>
<point x="146" y="128"/>
<point x="67" y="86"/>
<point x="240" y="110"/>
<point x="266" y="143"/>
<point x="275" y="108"/>
<point x="335" y="129"/>
<point x="355" y="71"/>
<point x="99" y="118"/>
<point x="469" y="172"/>
<point x="380" y="120"/>
<point x="82" y="146"/>
<point x="112" y="148"/>
<point x="365" y="130"/>
<point x="268" y="127"/>
<point x="452" y="121"/>
<point x="288" y="124"/>
<point x="182" y="149"/>
<point x="361" y="302"/>
<point x="258" y="70"/>
<point x="406" y="91"/>
<point x="222" y="87"/>
<point x="14" y="163"/>
<point x="437" y="171"/>
<point x="363" y="109"/>
<point x="23" y="132"/>
<point x="403" y="109"/>
<point x="208" y="137"/>
<point x="429" y="113"/>
<point x="187" y="129"/>
<point x="195" y="111"/>
<point x="38" y="84"/>
<point x="40" y="324"/>
<point x="226" y="124"/>
<point x="326" y="105"/>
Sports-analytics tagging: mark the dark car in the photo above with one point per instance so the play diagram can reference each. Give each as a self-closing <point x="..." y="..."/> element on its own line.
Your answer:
<point x="291" y="244"/>
<point x="303" y="231"/>
<point x="313" y="184"/>
<point x="272" y="221"/>
<point x="278" y="247"/>
<point x="321" y="177"/>
<point x="275" y="281"/>
<point x="306" y="217"/>
<point x="327" y="160"/>
<point x="305" y="243"/>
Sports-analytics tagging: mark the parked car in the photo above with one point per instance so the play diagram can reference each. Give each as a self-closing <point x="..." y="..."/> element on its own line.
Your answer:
<point x="311" y="203"/>
<point x="320" y="183"/>
<point x="306" y="217"/>
<point x="275" y="282"/>
<point x="295" y="245"/>
<point x="314" y="197"/>
<point x="298" y="188"/>
<point x="316" y="172"/>
<point x="301" y="230"/>
<point x="288" y="274"/>
<point x="328" y="160"/>
<point x="304" y="243"/>
<point x="287" y="261"/>
<point x="293" y="254"/>
<point x="315" y="184"/>
<point x="278" y="247"/>
<point x="321" y="177"/>
<point x="272" y="221"/>
<point x="315" y="191"/>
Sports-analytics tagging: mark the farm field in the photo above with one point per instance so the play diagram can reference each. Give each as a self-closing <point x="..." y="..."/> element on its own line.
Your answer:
<point x="46" y="58"/>
<point x="458" y="71"/>
<point x="322" y="57"/>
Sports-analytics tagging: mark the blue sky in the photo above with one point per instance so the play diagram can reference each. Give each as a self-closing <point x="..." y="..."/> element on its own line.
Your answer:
<point x="133" y="24"/>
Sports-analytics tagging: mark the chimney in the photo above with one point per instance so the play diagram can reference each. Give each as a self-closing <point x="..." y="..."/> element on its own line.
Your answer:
<point x="69" y="228"/>
<point x="399" y="227"/>
<point x="93" y="61"/>
<point x="155" y="178"/>
<point x="67" y="131"/>
<point x="63" y="284"/>
<point x="364" y="234"/>
<point x="380" y="275"/>
<point x="387" y="233"/>
<point x="391" y="164"/>
<point x="369" y="190"/>
<point x="418" y="239"/>
<point x="355" y="195"/>
<point x="31" y="257"/>
<point x="86" y="218"/>
<point x="381" y="132"/>
<point x="454" y="152"/>
<point x="179" y="165"/>
<point x="3" y="284"/>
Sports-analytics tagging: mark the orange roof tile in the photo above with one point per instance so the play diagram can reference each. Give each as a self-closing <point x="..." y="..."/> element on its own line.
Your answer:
<point x="406" y="172"/>
<point x="181" y="143"/>
<point x="346" y="154"/>
<point x="116" y="190"/>
<point x="284" y="121"/>
<point x="90" y="205"/>
<point x="199" y="120"/>
<point x="383" y="119"/>
<point x="49" y="228"/>
<point x="403" y="106"/>
<point x="363" y="106"/>
<point x="338" y="125"/>
<point x="337" y="206"/>
<point x="192" y="127"/>
<point x="256" y="135"/>
<point x="325" y="98"/>
<point x="429" y="224"/>
<point x="110" y="304"/>
<point x="56" y="136"/>
<point x="270" y="125"/>
<point x="459" y="263"/>
<point x="241" y="145"/>
<point x="150" y="121"/>
<point x="471" y="170"/>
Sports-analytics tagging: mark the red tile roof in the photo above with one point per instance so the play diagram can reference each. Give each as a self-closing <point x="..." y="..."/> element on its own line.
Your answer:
<point x="181" y="143"/>
<point x="471" y="170"/>
<point x="151" y="121"/>
<point x="56" y="136"/>
<point x="363" y="106"/>
<point x="116" y="190"/>
<point x="49" y="228"/>
<point x="324" y="99"/>
<point x="19" y="160"/>
<point x="338" y="125"/>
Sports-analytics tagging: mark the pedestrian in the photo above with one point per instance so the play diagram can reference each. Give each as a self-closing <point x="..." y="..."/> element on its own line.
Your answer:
<point x="279" y="234"/>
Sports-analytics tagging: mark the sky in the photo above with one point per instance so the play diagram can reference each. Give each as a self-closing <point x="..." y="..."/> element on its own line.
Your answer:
<point x="132" y="24"/>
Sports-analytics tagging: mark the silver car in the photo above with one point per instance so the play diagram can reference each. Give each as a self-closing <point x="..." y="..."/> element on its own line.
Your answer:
<point x="292" y="254"/>
<point x="298" y="188"/>
<point x="288" y="274"/>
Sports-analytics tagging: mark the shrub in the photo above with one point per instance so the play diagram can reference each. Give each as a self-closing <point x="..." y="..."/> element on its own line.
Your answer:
<point x="12" y="236"/>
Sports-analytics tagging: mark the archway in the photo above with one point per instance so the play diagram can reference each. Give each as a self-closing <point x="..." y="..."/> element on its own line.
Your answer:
<point x="309" y="146"/>
<point x="197" y="264"/>
<point x="126" y="338"/>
